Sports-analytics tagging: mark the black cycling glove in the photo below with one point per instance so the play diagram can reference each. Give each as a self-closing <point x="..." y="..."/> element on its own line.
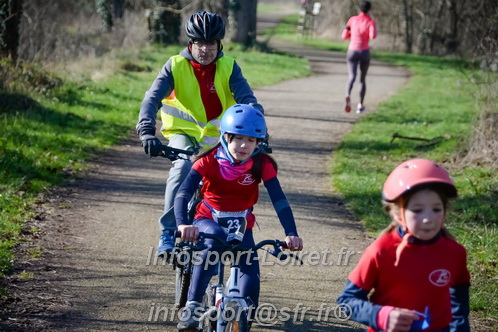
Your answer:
<point x="151" y="145"/>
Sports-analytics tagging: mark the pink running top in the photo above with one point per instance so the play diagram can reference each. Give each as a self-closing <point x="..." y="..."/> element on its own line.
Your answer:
<point x="361" y="29"/>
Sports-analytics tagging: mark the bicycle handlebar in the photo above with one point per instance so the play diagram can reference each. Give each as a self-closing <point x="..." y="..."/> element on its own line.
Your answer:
<point x="276" y="252"/>
<point x="174" y="154"/>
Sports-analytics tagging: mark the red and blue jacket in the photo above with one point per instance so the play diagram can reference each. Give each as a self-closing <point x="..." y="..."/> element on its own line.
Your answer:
<point x="429" y="274"/>
<point x="236" y="195"/>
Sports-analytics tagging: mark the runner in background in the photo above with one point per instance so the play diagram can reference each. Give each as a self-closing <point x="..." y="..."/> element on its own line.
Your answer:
<point x="360" y="29"/>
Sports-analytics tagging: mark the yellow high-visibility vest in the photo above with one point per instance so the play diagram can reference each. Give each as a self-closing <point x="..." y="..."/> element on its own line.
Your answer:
<point x="183" y="112"/>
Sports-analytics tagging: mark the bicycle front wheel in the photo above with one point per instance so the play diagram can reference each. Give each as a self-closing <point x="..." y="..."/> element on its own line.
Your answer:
<point x="236" y="320"/>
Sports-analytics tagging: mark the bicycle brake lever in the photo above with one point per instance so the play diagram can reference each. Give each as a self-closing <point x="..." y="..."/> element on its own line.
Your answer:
<point x="182" y="244"/>
<point x="297" y="258"/>
<point x="283" y="256"/>
<point x="172" y="156"/>
<point x="277" y="253"/>
<point x="199" y="246"/>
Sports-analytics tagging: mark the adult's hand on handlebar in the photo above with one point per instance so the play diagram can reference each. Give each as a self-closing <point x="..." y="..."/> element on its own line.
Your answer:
<point x="294" y="243"/>
<point x="189" y="233"/>
<point x="151" y="145"/>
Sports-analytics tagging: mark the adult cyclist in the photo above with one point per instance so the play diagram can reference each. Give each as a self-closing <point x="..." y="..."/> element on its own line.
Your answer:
<point x="193" y="89"/>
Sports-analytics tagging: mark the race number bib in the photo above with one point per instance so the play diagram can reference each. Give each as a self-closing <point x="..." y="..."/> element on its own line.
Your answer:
<point x="233" y="223"/>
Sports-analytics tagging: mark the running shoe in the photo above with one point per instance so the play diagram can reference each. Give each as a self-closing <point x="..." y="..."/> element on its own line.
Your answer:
<point x="166" y="244"/>
<point x="360" y="109"/>
<point x="190" y="316"/>
<point x="348" y="105"/>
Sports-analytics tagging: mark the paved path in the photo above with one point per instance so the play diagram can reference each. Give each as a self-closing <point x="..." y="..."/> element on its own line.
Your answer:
<point x="104" y="227"/>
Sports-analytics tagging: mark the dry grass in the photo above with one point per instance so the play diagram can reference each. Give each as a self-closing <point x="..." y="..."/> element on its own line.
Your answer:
<point x="54" y="31"/>
<point x="483" y="145"/>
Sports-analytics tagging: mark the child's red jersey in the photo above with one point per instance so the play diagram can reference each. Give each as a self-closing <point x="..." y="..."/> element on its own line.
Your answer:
<point x="223" y="195"/>
<point x="422" y="278"/>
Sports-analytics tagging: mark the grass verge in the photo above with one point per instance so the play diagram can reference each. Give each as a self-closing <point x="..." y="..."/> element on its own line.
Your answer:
<point x="52" y="126"/>
<point x="440" y="104"/>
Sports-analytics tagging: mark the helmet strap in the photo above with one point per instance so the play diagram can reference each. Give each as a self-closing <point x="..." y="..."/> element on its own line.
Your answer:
<point x="224" y="144"/>
<point x="231" y="159"/>
<point x="259" y="149"/>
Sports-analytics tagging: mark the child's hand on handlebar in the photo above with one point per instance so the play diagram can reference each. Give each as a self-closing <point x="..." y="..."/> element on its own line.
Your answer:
<point x="189" y="233"/>
<point x="294" y="243"/>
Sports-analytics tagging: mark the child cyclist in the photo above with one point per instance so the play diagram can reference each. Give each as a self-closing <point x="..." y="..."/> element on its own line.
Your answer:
<point x="417" y="270"/>
<point x="231" y="172"/>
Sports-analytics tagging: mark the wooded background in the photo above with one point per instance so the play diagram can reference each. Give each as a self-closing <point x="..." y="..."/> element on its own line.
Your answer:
<point x="57" y="30"/>
<point x="429" y="27"/>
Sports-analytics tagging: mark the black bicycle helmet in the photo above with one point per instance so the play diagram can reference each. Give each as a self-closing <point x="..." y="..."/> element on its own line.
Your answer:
<point x="205" y="26"/>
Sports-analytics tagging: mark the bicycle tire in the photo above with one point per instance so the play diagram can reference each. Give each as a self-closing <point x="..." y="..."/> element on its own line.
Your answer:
<point x="238" y="323"/>
<point x="182" y="284"/>
<point x="184" y="269"/>
<point x="209" y="323"/>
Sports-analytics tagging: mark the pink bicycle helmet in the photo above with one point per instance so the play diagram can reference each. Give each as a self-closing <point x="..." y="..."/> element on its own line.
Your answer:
<point x="413" y="173"/>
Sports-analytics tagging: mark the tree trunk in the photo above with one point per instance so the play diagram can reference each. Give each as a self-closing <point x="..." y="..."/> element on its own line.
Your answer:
<point x="10" y="13"/>
<point x="451" y="41"/>
<point x="104" y="10"/>
<point x="407" y="24"/>
<point x="165" y="22"/>
<point x="219" y="7"/>
<point x="436" y="34"/>
<point x="118" y="8"/>
<point x="243" y="21"/>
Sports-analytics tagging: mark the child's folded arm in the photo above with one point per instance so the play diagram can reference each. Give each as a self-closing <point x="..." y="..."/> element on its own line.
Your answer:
<point x="357" y="305"/>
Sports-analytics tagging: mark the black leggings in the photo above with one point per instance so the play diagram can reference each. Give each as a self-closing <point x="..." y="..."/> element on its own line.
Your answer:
<point x="363" y="59"/>
<point x="204" y="266"/>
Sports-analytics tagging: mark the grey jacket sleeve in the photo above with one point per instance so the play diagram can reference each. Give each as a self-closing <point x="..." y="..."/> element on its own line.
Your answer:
<point x="241" y="90"/>
<point x="160" y="88"/>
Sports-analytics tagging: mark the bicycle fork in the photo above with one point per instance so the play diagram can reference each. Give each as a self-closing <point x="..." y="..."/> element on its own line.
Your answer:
<point x="233" y="307"/>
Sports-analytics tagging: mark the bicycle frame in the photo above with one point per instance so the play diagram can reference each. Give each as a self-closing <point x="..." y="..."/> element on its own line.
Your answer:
<point x="233" y="299"/>
<point x="220" y="296"/>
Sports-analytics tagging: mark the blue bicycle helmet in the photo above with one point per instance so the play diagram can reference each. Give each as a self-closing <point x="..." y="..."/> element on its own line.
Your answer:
<point x="243" y="120"/>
